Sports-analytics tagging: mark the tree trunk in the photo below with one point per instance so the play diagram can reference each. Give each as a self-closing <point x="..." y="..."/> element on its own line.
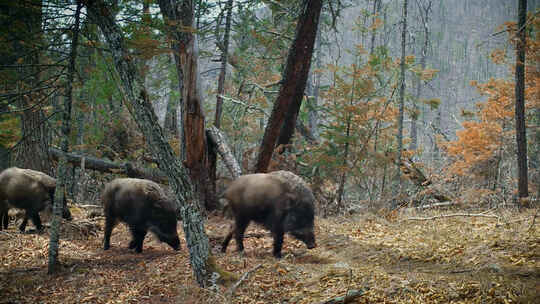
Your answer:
<point x="212" y="156"/>
<point x="521" y="135"/>
<point x="196" y="150"/>
<point x="223" y="70"/>
<point x="174" y="12"/>
<point x="424" y="11"/>
<point x="171" y="122"/>
<point x="61" y="176"/>
<point x="31" y="151"/>
<point x="376" y="8"/>
<point x="343" y="178"/>
<point x="138" y="104"/>
<point x="397" y="185"/>
<point x="294" y="82"/>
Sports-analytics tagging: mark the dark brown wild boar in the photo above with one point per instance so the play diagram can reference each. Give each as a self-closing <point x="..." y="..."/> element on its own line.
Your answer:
<point x="143" y="206"/>
<point x="29" y="190"/>
<point x="268" y="200"/>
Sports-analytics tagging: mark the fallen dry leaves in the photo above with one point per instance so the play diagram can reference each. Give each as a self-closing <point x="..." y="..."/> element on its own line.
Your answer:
<point x="456" y="259"/>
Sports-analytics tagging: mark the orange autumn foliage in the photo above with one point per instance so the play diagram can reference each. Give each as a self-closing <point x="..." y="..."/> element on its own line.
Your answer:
<point x="494" y="123"/>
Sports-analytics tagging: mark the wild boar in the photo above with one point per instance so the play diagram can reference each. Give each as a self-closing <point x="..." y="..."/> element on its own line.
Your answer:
<point x="29" y="190"/>
<point x="268" y="200"/>
<point x="143" y="206"/>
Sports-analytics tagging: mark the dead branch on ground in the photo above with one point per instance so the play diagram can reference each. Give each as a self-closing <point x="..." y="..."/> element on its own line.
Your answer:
<point x="351" y="295"/>
<point x="451" y="215"/>
<point x="437" y="205"/>
<point x="533" y="220"/>
<point x="233" y="288"/>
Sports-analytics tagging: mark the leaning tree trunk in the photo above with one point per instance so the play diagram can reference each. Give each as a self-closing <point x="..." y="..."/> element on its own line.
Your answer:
<point x="521" y="135"/>
<point x="295" y="75"/>
<point x="221" y="146"/>
<point x="60" y="192"/>
<point x="138" y="103"/>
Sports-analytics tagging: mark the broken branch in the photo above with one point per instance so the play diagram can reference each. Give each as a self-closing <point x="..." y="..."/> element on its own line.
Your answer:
<point x="233" y="288"/>
<point x="351" y="295"/>
<point x="449" y="215"/>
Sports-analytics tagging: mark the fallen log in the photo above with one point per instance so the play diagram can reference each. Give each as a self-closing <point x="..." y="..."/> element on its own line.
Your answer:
<point x="93" y="163"/>
<point x="224" y="151"/>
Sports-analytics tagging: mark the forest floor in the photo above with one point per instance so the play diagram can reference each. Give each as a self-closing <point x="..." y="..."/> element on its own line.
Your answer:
<point x="391" y="257"/>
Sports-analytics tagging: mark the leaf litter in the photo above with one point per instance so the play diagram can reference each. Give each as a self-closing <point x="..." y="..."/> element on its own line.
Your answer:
<point x="391" y="260"/>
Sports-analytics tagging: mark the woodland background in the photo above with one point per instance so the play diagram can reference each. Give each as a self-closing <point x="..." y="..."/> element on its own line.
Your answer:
<point x="458" y="103"/>
<point x="453" y="147"/>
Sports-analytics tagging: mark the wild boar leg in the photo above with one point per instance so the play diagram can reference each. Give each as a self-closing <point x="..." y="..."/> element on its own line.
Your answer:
<point x="22" y="227"/>
<point x="4" y="216"/>
<point x="34" y="216"/>
<point x="109" y="225"/>
<point x="278" y="233"/>
<point x="239" y="229"/>
<point x="5" y="219"/>
<point x="227" y="239"/>
<point x="138" y="238"/>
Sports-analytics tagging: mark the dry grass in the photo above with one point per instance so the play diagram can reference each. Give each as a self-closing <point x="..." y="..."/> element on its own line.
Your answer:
<point x="457" y="259"/>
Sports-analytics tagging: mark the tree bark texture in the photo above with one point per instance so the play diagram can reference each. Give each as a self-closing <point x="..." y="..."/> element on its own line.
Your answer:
<point x="401" y="100"/>
<point x="424" y="11"/>
<point x="173" y="12"/>
<point x="61" y="175"/>
<point x="136" y="100"/>
<point x="521" y="135"/>
<point x="31" y="151"/>
<point x="179" y="17"/>
<point x="290" y="95"/>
